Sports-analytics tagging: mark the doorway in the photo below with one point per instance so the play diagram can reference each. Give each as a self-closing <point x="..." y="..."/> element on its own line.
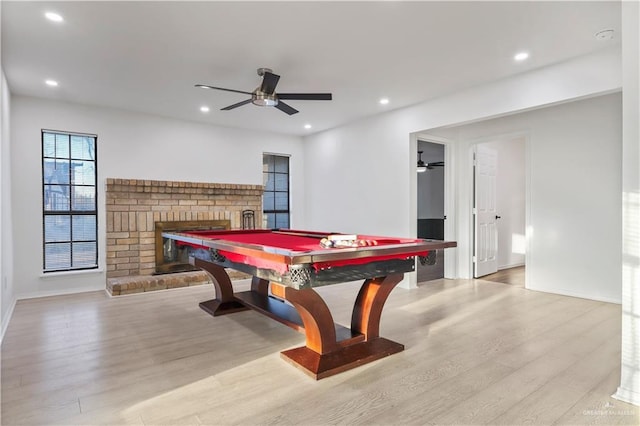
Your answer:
<point x="499" y="210"/>
<point x="431" y="204"/>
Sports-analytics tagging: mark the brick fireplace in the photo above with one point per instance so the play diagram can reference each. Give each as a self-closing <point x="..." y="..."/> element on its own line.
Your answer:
<point x="135" y="206"/>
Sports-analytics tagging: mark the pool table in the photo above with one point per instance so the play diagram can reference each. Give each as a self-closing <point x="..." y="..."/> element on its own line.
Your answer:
<point x="287" y="265"/>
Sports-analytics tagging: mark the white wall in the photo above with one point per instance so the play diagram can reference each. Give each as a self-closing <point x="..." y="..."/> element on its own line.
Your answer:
<point x="130" y="145"/>
<point x="574" y="167"/>
<point x="357" y="175"/>
<point x="510" y="200"/>
<point x="361" y="177"/>
<point x="7" y="296"/>
<point x="629" y="389"/>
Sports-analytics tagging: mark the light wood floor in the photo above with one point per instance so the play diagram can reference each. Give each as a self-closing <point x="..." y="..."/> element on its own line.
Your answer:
<point x="513" y="276"/>
<point x="477" y="352"/>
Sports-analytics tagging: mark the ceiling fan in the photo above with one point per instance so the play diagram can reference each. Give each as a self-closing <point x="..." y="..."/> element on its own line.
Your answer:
<point x="423" y="167"/>
<point x="265" y="94"/>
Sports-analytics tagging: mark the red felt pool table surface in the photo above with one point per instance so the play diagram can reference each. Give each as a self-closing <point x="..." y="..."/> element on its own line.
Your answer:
<point x="289" y="239"/>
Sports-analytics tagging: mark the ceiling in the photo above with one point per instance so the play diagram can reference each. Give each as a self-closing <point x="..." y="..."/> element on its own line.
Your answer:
<point x="147" y="56"/>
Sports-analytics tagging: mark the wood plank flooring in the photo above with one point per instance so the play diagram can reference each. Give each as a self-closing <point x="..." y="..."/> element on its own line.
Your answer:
<point x="513" y="276"/>
<point x="477" y="352"/>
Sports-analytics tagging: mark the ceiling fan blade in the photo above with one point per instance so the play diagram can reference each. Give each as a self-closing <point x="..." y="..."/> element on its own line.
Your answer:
<point x="305" y="96"/>
<point x="204" y="86"/>
<point x="235" y="105"/>
<point x="269" y="82"/>
<point x="286" y="108"/>
<point x="431" y="166"/>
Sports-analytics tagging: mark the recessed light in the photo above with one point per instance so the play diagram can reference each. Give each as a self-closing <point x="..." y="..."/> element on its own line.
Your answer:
<point x="204" y="108"/>
<point x="521" y="56"/>
<point x="51" y="83"/>
<point x="307" y="126"/>
<point x="52" y="16"/>
<point x="384" y="101"/>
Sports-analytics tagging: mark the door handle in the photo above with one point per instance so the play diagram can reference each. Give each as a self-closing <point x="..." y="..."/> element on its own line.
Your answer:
<point x="498" y="217"/>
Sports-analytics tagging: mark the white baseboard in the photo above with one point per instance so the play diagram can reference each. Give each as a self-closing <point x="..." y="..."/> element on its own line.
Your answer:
<point x="627" y="395"/>
<point x="37" y="294"/>
<point x="7" y="318"/>
<point x="578" y="295"/>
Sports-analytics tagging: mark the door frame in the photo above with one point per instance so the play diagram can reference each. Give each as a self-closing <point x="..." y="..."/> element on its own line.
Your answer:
<point x="468" y="201"/>
<point x="450" y="256"/>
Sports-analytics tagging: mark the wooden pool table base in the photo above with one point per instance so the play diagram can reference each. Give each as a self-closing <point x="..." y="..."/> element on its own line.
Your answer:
<point x="320" y="366"/>
<point x="330" y="348"/>
<point x="216" y="308"/>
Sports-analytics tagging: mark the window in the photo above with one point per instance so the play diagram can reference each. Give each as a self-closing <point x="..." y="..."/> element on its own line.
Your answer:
<point x="275" y="200"/>
<point x="69" y="212"/>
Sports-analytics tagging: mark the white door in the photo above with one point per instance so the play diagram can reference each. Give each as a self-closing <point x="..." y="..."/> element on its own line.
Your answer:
<point x="485" y="214"/>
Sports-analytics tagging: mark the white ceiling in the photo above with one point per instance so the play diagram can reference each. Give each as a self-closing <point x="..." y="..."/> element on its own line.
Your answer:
<point x="147" y="56"/>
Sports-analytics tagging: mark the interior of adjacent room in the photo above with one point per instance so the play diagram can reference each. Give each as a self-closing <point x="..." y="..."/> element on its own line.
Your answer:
<point x="431" y="215"/>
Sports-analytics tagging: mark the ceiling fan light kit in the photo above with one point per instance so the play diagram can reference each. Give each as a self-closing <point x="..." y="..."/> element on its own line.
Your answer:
<point x="265" y="94"/>
<point x="422" y="167"/>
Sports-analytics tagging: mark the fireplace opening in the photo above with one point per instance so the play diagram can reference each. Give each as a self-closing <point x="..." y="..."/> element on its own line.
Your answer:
<point x="169" y="257"/>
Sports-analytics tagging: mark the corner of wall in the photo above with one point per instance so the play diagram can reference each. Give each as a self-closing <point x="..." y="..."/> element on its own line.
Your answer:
<point x="7" y="294"/>
<point x="4" y="321"/>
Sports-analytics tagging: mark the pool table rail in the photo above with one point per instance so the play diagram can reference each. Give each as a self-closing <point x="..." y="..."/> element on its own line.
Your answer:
<point x="296" y="257"/>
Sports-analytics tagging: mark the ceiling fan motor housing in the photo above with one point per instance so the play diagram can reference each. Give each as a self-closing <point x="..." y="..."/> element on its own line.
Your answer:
<point x="263" y="99"/>
<point x="262" y="71"/>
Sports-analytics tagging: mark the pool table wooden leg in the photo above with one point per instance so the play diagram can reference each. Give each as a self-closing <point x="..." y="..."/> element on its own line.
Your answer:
<point x="367" y="309"/>
<point x="260" y="286"/>
<point x="316" y="317"/>
<point x="323" y="355"/>
<point x="225" y="302"/>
